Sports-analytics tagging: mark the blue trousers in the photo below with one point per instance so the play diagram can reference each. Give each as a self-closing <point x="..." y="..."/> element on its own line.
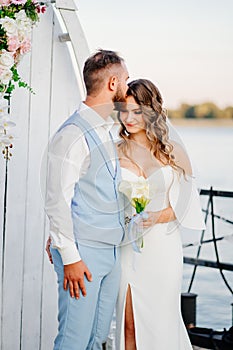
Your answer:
<point x="84" y="323"/>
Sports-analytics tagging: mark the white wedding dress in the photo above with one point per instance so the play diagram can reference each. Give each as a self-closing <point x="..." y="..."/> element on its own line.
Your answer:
<point x="155" y="274"/>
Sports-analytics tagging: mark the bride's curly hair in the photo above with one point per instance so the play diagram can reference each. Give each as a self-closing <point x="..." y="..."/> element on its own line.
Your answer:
<point x="148" y="96"/>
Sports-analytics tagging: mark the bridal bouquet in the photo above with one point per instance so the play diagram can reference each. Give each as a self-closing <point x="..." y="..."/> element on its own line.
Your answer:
<point x="139" y="196"/>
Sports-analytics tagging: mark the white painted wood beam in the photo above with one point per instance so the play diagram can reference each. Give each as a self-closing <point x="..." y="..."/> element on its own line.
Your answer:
<point x="68" y="11"/>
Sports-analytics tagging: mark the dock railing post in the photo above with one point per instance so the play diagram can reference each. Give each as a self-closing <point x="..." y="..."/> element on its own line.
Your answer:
<point x="232" y="314"/>
<point x="188" y="309"/>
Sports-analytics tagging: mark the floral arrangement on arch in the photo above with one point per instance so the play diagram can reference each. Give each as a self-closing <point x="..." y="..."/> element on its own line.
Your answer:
<point x="17" y="18"/>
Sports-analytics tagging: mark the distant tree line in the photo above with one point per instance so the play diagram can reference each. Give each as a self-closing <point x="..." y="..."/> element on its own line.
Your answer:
<point x="207" y="110"/>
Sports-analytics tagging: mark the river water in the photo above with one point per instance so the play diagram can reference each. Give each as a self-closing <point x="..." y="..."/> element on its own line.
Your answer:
<point x="211" y="149"/>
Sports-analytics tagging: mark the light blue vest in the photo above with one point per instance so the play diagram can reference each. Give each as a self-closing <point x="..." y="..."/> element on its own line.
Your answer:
<point x="97" y="206"/>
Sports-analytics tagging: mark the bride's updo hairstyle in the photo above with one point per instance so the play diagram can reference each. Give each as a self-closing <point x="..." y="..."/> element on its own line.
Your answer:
<point x="147" y="95"/>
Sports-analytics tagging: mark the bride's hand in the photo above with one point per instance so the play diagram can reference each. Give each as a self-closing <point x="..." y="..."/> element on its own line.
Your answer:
<point x="159" y="217"/>
<point x="151" y="220"/>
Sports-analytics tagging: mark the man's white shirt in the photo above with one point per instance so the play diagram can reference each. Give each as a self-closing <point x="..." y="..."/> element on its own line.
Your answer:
<point x="68" y="161"/>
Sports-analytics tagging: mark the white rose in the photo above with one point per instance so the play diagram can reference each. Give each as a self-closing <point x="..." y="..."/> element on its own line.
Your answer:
<point x="5" y="76"/>
<point x="21" y="15"/>
<point x="9" y="24"/>
<point x="24" y="28"/>
<point x="24" y="23"/>
<point x="23" y="35"/>
<point x="6" y="59"/>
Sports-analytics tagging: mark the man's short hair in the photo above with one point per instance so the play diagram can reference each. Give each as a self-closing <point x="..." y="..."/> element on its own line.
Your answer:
<point x="95" y="68"/>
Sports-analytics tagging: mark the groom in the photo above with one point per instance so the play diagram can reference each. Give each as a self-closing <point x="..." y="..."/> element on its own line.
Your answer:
<point x="85" y="209"/>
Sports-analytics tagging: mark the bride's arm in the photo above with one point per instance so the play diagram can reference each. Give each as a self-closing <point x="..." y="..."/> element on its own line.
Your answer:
<point x="159" y="217"/>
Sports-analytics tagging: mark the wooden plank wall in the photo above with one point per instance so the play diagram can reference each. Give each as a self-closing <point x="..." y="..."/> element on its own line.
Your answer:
<point x="28" y="288"/>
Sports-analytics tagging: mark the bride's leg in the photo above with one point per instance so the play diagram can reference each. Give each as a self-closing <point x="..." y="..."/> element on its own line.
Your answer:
<point x="130" y="342"/>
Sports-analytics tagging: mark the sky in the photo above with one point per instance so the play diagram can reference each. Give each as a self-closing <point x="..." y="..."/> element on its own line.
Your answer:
<point x="184" y="47"/>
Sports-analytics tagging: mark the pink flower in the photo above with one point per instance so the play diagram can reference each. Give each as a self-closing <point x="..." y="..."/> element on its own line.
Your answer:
<point x="13" y="43"/>
<point x="5" y="2"/>
<point x="41" y="9"/>
<point x="25" y="46"/>
<point x="18" y="2"/>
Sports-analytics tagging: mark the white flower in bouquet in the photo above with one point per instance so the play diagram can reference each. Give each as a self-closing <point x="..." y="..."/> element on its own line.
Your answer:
<point x="22" y="35"/>
<point x="6" y="59"/>
<point x="140" y="196"/>
<point x="5" y="76"/>
<point x="138" y="193"/>
<point x="24" y="23"/>
<point x="10" y="25"/>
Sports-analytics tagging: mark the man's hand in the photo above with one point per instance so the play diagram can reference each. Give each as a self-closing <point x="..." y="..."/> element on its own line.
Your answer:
<point x="48" y="244"/>
<point x="74" y="278"/>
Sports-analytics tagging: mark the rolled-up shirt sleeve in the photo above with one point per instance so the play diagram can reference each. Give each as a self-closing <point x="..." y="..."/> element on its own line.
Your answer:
<point x="185" y="202"/>
<point x="67" y="160"/>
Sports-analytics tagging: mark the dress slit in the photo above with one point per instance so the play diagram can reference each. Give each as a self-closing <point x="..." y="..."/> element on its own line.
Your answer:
<point x="129" y="289"/>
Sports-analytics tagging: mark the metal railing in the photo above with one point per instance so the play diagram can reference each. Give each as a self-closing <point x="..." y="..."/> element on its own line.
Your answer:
<point x="202" y="262"/>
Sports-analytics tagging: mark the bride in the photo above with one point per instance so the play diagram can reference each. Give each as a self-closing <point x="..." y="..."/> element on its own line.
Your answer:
<point x="148" y="308"/>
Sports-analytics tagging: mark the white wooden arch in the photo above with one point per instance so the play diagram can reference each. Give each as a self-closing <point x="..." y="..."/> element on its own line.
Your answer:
<point x="28" y="287"/>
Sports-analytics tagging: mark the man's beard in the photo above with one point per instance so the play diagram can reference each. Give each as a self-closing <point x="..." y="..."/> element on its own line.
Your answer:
<point x="119" y="99"/>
